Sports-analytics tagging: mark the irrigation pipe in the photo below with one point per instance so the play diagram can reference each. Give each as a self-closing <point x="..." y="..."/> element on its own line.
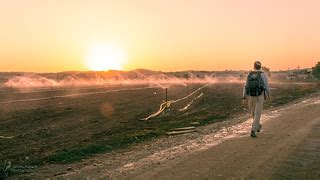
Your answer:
<point x="167" y="104"/>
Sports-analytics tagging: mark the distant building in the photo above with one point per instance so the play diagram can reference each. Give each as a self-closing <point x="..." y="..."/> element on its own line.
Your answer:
<point x="299" y="74"/>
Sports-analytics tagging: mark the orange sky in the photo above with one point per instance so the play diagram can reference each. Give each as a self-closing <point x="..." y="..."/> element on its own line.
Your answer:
<point x="167" y="35"/>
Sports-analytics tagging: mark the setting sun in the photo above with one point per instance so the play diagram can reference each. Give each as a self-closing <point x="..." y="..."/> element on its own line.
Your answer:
<point x="105" y="57"/>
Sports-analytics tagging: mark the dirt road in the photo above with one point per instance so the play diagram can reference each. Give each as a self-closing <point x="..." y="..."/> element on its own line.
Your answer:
<point x="287" y="147"/>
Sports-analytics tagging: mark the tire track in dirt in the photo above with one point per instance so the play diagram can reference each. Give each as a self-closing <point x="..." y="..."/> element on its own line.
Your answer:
<point x="73" y="95"/>
<point x="51" y="89"/>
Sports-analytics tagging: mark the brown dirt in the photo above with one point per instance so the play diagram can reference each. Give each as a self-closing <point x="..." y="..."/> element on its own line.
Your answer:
<point x="288" y="147"/>
<point x="41" y="128"/>
<point x="44" y="129"/>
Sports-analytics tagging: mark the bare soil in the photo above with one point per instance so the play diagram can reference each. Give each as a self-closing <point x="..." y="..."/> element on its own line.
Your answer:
<point x="66" y="134"/>
<point x="287" y="148"/>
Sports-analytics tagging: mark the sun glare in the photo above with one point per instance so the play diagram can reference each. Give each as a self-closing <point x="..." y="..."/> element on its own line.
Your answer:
<point x="103" y="57"/>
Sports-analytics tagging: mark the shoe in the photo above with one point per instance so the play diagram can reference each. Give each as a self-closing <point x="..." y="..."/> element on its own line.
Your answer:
<point x="260" y="126"/>
<point x="253" y="134"/>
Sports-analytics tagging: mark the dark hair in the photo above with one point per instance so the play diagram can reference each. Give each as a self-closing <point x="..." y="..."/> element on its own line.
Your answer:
<point x="257" y="65"/>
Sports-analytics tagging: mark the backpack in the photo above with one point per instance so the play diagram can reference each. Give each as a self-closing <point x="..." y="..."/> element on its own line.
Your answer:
<point x="255" y="86"/>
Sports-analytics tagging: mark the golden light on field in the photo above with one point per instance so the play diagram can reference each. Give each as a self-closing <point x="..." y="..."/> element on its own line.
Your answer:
<point x="105" y="57"/>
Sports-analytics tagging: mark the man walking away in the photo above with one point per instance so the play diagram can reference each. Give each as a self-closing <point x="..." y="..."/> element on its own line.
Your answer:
<point x="256" y="90"/>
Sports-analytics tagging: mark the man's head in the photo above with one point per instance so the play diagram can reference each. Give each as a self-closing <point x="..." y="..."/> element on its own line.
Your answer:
<point x="257" y="65"/>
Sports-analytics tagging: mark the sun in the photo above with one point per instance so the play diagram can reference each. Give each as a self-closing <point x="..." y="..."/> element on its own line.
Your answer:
<point x="105" y="57"/>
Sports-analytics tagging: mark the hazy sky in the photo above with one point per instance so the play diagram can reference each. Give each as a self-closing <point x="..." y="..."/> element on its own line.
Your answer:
<point x="56" y="35"/>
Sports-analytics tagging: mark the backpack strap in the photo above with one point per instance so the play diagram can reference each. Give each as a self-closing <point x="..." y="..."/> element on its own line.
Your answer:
<point x="260" y="79"/>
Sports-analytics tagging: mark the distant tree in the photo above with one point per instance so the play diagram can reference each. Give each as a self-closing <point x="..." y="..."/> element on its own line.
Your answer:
<point x="316" y="71"/>
<point x="186" y="76"/>
<point x="266" y="70"/>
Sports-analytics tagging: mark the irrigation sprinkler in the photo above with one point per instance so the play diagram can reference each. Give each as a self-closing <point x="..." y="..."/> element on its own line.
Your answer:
<point x="166" y="94"/>
<point x="106" y="82"/>
<point x="187" y="89"/>
<point x="51" y="91"/>
<point x="11" y="88"/>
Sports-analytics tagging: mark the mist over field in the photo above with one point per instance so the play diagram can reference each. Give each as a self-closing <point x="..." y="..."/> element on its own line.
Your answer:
<point x="136" y="77"/>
